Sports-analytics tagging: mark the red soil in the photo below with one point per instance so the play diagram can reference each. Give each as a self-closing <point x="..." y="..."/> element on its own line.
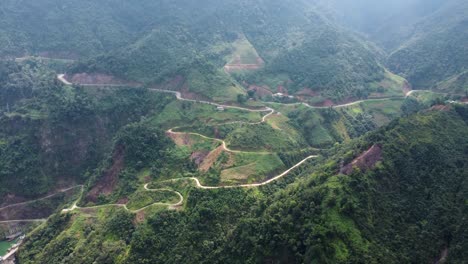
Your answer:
<point x="199" y="156"/>
<point x="35" y="210"/>
<point x="282" y="89"/>
<point x="307" y="92"/>
<point x="109" y="180"/>
<point x="260" y="90"/>
<point x="123" y="200"/>
<point x="365" y="161"/>
<point x="445" y="108"/>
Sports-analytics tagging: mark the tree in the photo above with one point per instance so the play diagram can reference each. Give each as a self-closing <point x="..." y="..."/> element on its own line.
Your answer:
<point x="241" y="99"/>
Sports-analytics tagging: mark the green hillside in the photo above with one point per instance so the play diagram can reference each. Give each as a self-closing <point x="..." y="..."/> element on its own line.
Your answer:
<point x="408" y="207"/>
<point x="154" y="43"/>
<point x="435" y="53"/>
<point x="234" y="131"/>
<point x="51" y="134"/>
<point x="423" y="39"/>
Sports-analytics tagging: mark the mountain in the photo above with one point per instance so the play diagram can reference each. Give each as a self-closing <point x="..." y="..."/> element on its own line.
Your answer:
<point x="294" y="45"/>
<point x="70" y="29"/>
<point x="51" y="135"/>
<point x="439" y="37"/>
<point x="387" y="23"/>
<point x="234" y="131"/>
<point x="423" y="39"/>
<point x="396" y="195"/>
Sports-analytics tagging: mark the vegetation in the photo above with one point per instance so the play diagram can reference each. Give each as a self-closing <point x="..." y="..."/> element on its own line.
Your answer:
<point x="37" y="148"/>
<point x="379" y="180"/>
<point x="399" y="210"/>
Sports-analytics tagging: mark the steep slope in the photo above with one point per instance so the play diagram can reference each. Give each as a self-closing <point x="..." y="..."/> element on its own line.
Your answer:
<point x="387" y="23"/>
<point x="436" y="51"/>
<point x="155" y="42"/>
<point x="424" y="39"/>
<point x="295" y="45"/>
<point x="51" y="135"/>
<point x="70" y="29"/>
<point x="404" y="201"/>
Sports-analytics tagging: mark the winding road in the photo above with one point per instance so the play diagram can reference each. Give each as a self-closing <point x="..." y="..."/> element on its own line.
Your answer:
<point x="225" y="147"/>
<point x="252" y="185"/>
<point x="270" y="111"/>
<point x="61" y="77"/>
<point x="22" y="221"/>
<point x="124" y="206"/>
<point x="181" y="197"/>
<point x="40" y="199"/>
<point x="178" y="95"/>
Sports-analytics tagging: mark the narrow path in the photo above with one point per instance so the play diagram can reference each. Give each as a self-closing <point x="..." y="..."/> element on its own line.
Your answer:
<point x="252" y="185"/>
<point x="429" y="91"/>
<point x="40" y="199"/>
<point x="198" y="185"/>
<point x="178" y="95"/>
<point x="61" y="78"/>
<point x="22" y="221"/>
<point x="124" y="206"/>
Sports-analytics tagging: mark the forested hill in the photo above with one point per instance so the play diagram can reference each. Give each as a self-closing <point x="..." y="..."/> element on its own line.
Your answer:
<point x="156" y="41"/>
<point x="425" y="39"/>
<point x="51" y="135"/>
<point x="403" y="202"/>
<point x="435" y="54"/>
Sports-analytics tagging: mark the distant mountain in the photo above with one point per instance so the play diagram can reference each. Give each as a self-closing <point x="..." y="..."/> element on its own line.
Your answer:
<point x="436" y="51"/>
<point x="153" y="43"/>
<point x="387" y="23"/>
<point x="425" y="40"/>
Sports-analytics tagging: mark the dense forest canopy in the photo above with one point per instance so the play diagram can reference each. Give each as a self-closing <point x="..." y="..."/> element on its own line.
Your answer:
<point x="423" y="38"/>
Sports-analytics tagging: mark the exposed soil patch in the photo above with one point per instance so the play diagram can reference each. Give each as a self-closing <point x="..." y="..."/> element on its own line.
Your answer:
<point x="210" y="159"/>
<point x="140" y="217"/>
<point x="260" y="90"/>
<point x="199" y="156"/>
<point x="365" y="161"/>
<point x="108" y="181"/>
<point x="181" y="139"/>
<point x="193" y="96"/>
<point x="61" y="185"/>
<point x="11" y="199"/>
<point x="325" y="103"/>
<point x="307" y="92"/>
<point x="123" y="200"/>
<point x="38" y="209"/>
<point x="282" y="89"/>
<point x="444" y="108"/>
